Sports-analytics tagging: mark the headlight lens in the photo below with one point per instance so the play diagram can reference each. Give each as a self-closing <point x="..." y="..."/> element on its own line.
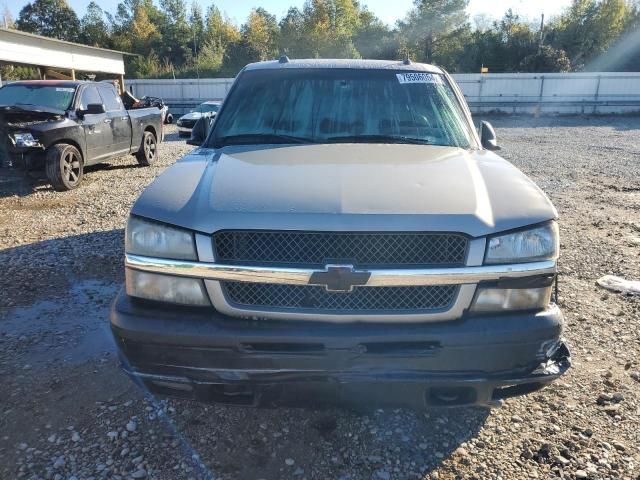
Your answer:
<point x="510" y="299"/>
<point x="536" y="244"/>
<point x="166" y="288"/>
<point x="25" y="140"/>
<point x="156" y="240"/>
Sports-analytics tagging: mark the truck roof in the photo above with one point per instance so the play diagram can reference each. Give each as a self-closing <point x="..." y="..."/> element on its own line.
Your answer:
<point x="345" y="63"/>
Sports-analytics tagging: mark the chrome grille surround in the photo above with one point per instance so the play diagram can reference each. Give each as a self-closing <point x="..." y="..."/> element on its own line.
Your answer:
<point x="214" y="274"/>
<point x="362" y="249"/>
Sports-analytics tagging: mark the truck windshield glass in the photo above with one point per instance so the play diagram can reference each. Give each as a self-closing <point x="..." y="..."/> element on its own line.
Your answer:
<point x="49" y="96"/>
<point x="341" y="106"/>
<point x="207" y="107"/>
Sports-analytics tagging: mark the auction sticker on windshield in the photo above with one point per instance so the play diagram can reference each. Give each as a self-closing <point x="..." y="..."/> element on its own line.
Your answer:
<point x="417" y="78"/>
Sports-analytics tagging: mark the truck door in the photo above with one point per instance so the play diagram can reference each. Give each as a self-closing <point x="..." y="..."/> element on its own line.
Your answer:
<point x="97" y="133"/>
<point x="118" y="120"/>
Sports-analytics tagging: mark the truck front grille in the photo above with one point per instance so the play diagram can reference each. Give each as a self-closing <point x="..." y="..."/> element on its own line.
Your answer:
<point x="316" y="249"/>
<point x="262" y="296"/>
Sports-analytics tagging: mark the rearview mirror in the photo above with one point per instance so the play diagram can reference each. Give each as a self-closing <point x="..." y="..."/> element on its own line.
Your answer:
<point x="488" y="136"/>
<point x="200" y="131"/>
<point x="93" y="109"/>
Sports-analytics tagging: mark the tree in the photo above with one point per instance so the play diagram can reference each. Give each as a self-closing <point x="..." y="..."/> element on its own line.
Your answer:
<point x="50" y="18"/>
<point x="95" y="30"/>
<point x="590" y="27"/>
<point x="6" y="18"/>
<point x="176" y="33"/>
<point x="373" y="39"/>
<point x="196" y="19"/>
<point x="292" y="40"/>
<point x="260" y="35"/>
<point x="431" y="24"/>
<point x="547" y="59"/>
<point x="219" y="30"/>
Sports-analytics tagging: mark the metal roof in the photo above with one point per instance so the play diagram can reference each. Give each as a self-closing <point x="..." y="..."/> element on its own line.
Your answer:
<point x="23" y="48"/>
<point x="346" y="63"/>
<point x="55" y="40"/>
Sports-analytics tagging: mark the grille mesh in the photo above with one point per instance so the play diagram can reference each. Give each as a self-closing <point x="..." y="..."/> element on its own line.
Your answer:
<point x="320" y="248"/>
<point x="317" y="298"/>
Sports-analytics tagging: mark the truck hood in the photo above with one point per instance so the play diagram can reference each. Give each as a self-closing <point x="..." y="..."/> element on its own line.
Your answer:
<point x="345" y="187"/>
<point x="191" y="116"/>
<point x="16" y="116"/>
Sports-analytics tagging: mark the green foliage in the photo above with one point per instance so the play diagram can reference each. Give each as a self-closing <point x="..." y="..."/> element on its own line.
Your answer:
<point x="51" y="18"/>
<point x="174" y="39"/>
<point x="95" y="30"/>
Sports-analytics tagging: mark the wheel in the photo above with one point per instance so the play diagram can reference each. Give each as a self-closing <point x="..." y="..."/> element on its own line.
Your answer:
<point x="148" y="150"/>
<point x="169" y="119"/>
<point x="64" y="166"/>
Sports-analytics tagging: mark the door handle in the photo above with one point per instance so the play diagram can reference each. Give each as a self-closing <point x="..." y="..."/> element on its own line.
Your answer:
<point x="107" y="120"/>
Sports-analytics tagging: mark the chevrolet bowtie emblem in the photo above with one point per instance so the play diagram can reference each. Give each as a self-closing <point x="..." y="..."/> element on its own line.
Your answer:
<point x="339" y="278"/>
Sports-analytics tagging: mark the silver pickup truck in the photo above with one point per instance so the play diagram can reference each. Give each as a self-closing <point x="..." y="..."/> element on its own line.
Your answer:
<point x="343" y="234"/>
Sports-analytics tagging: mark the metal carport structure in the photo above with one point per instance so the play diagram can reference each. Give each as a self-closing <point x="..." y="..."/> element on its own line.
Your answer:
<point x="58" y="58"/>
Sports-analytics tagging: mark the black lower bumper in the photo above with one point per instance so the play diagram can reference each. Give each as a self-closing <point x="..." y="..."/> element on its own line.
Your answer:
<point x="24" y="159"/>
<point x="204" y="355"/>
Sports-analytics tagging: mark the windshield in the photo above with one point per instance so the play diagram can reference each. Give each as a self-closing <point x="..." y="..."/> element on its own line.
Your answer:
<point x="50" y="96"/>
<point x="341" y="105"/>
<point x="207" y="107"/>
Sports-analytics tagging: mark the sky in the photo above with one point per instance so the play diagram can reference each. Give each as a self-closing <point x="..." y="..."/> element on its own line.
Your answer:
<point x="387" y="10"/>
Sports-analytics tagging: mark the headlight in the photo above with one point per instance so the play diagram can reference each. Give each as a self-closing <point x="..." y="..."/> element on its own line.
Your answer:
<point x="166" y="288"/>
<point x="157" y="240"/>
<point x="25" y="140"/>
<point x="533" y="245"/>
<point x="510" y="299"/>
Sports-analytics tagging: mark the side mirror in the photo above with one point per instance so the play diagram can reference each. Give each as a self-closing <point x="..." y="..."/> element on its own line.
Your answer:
<point x="199" y="132"/>
<point x="93" y="109"/>
<point x="488" y="136"/>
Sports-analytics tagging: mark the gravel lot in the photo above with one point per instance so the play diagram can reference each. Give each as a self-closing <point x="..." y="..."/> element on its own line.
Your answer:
<point x="67" y="412"/>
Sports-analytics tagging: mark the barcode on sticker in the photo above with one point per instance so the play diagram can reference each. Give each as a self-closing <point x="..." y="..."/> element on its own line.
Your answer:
<point x="416" y="78"/>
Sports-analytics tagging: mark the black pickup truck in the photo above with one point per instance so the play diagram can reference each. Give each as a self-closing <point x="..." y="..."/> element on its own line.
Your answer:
<point x="63" y="126"/>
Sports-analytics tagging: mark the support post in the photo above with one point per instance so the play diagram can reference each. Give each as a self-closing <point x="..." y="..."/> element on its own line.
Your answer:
<point x="73" y="74"/>
<point x="540" y="94"/>
<point x="595" y="97"/>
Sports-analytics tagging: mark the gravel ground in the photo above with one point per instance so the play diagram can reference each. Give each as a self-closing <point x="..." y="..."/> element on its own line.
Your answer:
<point x="67" y="412"/>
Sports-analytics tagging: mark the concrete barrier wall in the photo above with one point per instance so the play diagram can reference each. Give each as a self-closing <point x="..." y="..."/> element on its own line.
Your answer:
<point x="552" y="93"/>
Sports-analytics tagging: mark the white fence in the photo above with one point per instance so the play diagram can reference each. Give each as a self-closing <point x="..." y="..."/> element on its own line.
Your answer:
<point x="569" y="93"/>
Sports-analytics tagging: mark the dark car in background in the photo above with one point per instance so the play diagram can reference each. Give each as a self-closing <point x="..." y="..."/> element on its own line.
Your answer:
<point x="186" y="122"/>
<point x="64" y="126"/>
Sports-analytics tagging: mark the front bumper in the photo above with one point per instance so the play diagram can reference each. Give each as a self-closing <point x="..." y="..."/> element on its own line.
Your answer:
<point x="201" y="354"/>
<point x="27" y="158"/>
<point x="185" y="128"/>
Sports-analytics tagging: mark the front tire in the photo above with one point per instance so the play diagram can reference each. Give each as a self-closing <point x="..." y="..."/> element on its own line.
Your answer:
<point x="148" y="150"/>
<point x="64" y="167"/>
<point x="169" y="119"/>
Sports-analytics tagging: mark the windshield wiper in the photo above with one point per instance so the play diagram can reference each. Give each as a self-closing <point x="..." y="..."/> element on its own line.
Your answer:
<point x="378" y="139"/>
<point x="259" y="138"/>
